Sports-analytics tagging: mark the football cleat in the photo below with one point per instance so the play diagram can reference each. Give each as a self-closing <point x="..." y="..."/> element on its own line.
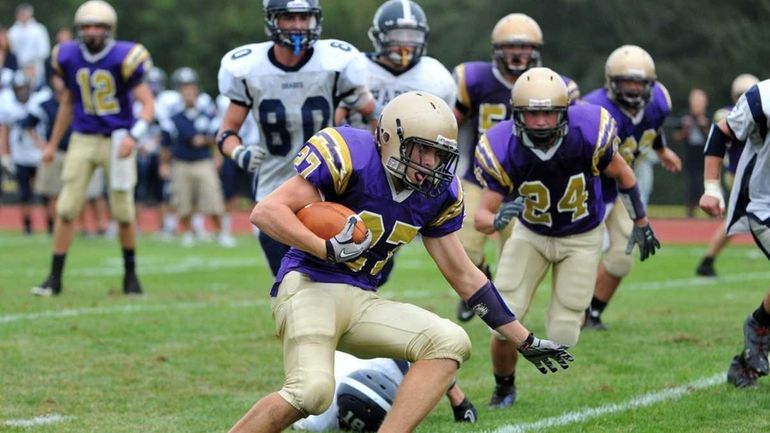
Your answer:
<point x="131" y="286"/>
<point x="740" y="375"/>
<point x="50" y="287"/>
<point x="502" y="397"/>
<point x="705" y="269"/>
<point x="593" y="321"/>
<point x="465" y="412"/>
<point x="756" y="340"/>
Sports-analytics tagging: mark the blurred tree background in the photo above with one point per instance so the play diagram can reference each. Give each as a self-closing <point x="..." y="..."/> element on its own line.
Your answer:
<point x="694" y="43"/>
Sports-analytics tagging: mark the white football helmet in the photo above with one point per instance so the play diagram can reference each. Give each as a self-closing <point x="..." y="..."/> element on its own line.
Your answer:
<point x="741" y="84"/>
<point x="540" y="89"/>
<point x="516" y="30"/>
<point x="630" y="63"/>
<point x="415" y="121"/>
<point x="100" y="13"/>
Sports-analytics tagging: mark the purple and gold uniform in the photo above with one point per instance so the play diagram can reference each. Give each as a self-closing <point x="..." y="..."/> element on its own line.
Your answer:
<point x="561" y="226"/>
<point x="636" y="133"/>
<point x="320" y="307"/>
<point x="345" y="166"/>
<point x="484" y="96"/>
<point x="100" y="86"/>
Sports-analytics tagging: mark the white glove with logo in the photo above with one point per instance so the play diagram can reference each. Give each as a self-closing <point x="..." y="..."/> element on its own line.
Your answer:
<point x="342" y="248"/>
<point x="249" y="158"/>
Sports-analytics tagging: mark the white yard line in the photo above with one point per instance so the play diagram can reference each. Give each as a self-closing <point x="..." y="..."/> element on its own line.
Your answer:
<point x="52" y="418"/>
<point x="609" y="409"/>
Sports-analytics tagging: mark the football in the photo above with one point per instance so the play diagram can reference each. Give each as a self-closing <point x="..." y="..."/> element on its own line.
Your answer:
<point x="327" y="219"/>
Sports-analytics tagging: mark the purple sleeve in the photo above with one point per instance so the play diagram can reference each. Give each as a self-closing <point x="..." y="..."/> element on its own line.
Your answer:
<point x="450" y="219"/>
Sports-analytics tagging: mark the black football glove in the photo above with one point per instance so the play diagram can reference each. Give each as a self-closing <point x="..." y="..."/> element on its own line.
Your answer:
<point x="645" y="238"/>
<point x="342" y="248"/>
<point x="542" y="352"/>
<point x="508" y="211"/>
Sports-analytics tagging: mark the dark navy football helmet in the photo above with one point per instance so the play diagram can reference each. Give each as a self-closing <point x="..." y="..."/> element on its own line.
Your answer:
<point x="363" y="399"/>
<point x="400" y="23"/>
<point x="297" y="40"/>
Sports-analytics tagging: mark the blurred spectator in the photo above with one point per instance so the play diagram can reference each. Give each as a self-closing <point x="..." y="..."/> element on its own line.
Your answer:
<point x="29" y="40"/>
<point x="693" y="131"/>
<point x="62" y="35"/>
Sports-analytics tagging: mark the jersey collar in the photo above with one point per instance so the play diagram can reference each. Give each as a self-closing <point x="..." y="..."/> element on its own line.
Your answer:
<point x="93" y="58"/>
<point x="305" y="58"/>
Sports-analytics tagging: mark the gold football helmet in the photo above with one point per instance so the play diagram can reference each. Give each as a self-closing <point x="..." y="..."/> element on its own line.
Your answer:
<point x="741" y="84"/>
<point x="418" y="121"/>
<point x="540" y="89"/>
<point x="516" y="30"/>
<point x="630" y="63"/>
<point x="96" y="12"/>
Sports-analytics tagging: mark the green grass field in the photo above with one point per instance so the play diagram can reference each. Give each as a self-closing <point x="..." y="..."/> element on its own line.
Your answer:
<point x="197" y="351"/>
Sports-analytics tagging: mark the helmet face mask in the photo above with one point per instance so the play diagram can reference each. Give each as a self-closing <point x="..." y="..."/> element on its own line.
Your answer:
<point x="417" y="136"/>
<point x="630" y="76"/>
<point x="295" y="39"/>
<point x="399" y="32"/>
<point x="540" y="91"/>
<point x="95" y="22"/>
<point x="517" y="41"/>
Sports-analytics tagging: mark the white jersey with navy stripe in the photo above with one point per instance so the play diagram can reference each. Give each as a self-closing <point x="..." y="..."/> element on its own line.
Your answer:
<point x="290" y="104"/>
<point x="751" y="191"/>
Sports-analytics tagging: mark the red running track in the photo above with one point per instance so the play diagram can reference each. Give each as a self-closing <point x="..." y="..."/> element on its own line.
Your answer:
<point x="679" y="230"/>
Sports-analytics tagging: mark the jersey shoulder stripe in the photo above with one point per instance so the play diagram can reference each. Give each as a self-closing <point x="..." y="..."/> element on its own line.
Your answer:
<point x="55" y="61"/>
<point x="463" y="98"/>
<point x="136" y="56"/>
<point x="667" y="105"/>
<point x="605" y="140"/>
<point x="754" y="101"/>
<point x="454" y="209"/>
<point x="490" y="164"/>
<point x="336" y="156"/>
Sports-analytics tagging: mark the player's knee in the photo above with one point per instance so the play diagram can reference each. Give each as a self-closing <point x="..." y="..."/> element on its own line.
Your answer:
<point x="566" y="329"/>
<point x="446" y="341"/>
<point x="314" y="394"/>
<point x="618" y="264"/>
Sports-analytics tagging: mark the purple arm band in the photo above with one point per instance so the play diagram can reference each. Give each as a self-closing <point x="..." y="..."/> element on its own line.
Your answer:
<point x="490" y="307"/>
<point x="632" y="200"/>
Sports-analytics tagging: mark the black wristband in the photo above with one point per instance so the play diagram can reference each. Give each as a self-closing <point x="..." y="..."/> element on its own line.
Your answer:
<point x="528" y="342"/>
<point x="660" y="141"/>
<point x="223" y="136"/>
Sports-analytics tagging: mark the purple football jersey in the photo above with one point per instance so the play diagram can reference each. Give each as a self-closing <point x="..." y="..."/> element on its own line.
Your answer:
<point x="562" y="187"/>
<point x="101" y="84"/>
<point x="485" y="98"/>
<point x="344" y="164"/>
<point x="635" y="138"/>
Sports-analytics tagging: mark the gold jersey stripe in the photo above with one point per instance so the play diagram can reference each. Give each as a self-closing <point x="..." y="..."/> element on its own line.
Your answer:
<point x="329" y="143"/>
<point x="55" y="61"/>
<point x="462" y="90"/>
<point x="606" y="137"/>
<point x="452" y="210"/>
<point x="135" y="57"/>
<point x="489" y="163"/>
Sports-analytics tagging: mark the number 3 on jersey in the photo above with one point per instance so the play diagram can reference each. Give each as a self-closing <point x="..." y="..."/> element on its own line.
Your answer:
<point x="316" y="113"/>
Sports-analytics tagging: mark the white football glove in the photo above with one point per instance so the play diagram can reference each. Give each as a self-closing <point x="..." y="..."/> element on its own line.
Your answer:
<point x="8" y="165"/>
<point x="541" y="352"/>
<point x="249" y="158"/>
<point x="342" y="248"/>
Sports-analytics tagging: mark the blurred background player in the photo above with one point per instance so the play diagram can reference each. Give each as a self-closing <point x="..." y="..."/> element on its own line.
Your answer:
<point x="42" y="108"/>
<point x="694" y="127"/>
<point x="19" y="149"/>
<point x="29" y="41"/>
<point x="291" y="85"/>
<point x="195" y="183"/>
<point x="719" y="239"/>
<point x="105" y="131"/>
<point x="484" y="99"/>
<point x="551" y="157"/>
<point x="364" y="393"/>
<point x="747" y="212"/>
<point x="640" y="104"/>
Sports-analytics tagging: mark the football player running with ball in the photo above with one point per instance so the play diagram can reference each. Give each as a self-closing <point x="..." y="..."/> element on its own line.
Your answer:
<point x="402" y="184"/>
<point x="748" y="211"/>
<point x="291" y="86"/>
<point x="551" y="155"/>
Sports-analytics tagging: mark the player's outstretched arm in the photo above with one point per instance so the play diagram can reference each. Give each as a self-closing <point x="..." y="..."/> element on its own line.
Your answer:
<point x="482" y="296"/>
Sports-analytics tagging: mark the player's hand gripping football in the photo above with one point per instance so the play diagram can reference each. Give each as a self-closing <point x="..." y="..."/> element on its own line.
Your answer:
<point x="542" y="353"/>
<point x="508" y="211"/>
<point x="342" y="247"/>
<point x="249" y="158"/>
<point x="645" y="238"/>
